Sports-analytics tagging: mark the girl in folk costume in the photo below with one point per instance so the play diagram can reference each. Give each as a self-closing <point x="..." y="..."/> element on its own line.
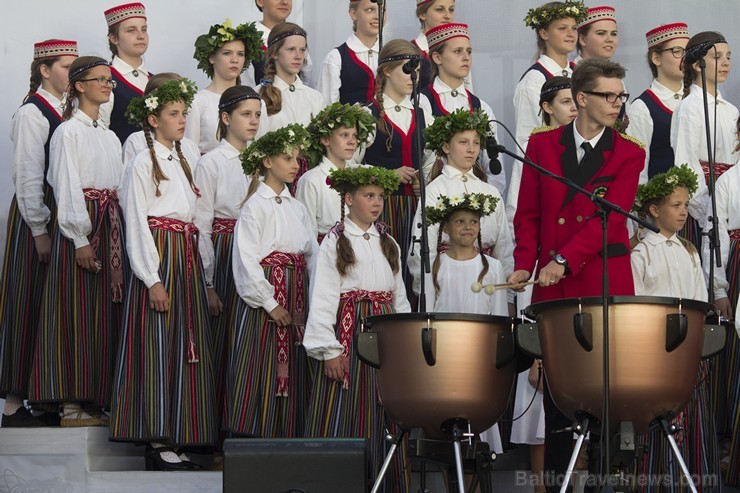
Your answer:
<point x="136" y="142"/>
<point x="334" y="135"/>
<point x="28" y="245"/>
<point x="222" y="54"/>
<point x="650" y="114"/>
<point x="128" y="40"/>
<point x="164" y="378"/>
<point x="728" y="213"/>
<point x="358" y="273"/>
<point x="274" y="250"/>
<point x="223" y="186"/>
<point x="463" y="277"/>
<point x="287" y="98"/>
<point x="393" y="145"/>
<point x="664" y="264"/>
<point x="557" y="108"/>
<point x="451" y="56"/>
<point x="81" y="304"/>
<point x="688" y="131"/>
<point x="432" y="13"/>
<point x="347" y="74"/>
<point x="274" y="12"/>
<point x="457" y="139"/>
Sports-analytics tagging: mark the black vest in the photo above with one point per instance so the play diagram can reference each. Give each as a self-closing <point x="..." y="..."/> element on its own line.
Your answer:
<point x="124" y="93"/>
<point x="436" y="102"/>
<point x="661" y="152"/>
<point x="259" y="68"/>
<point x="54" y="119"/>
<point x="427" y="75"/>
<point x="358" y="80"/>
<point x="541" y="69"/>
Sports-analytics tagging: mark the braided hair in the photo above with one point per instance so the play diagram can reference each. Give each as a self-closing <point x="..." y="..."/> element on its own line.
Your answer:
<point x="72" y="93"/>
<point x="271" y="95"/>
<point x="689" y="73"/>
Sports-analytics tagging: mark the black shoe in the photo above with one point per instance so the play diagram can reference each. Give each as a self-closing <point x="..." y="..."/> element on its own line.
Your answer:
<point x="154" y="461"/>
<point x="23" y="418"/>
<point x="186" y="460"/>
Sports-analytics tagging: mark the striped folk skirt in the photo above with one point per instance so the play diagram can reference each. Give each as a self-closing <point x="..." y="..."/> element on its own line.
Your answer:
<point x="164" y="386"/>
<point x="267" y="379"/>
<point x="398" y="214"/>
<point x="355" y="411"/>
<point x="223" y="282"/>
<point x="21" y="288"/>
<point x="80" y="313"/>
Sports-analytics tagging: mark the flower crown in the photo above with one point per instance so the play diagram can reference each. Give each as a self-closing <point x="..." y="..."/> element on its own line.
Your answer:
<point x="481" y="203"/>
<point x="460" y="120"/>
<point x="281" y="141"/>
<point x="220" y="34"/>
<point x="663" y="185"/>
<point x="335" y="116"/>
<point x="348" y="179"/>
<point x="541" y="16"/>
<point x="172" y="90"/>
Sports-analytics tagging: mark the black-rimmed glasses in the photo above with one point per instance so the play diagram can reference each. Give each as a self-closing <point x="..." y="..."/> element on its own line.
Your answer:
<point x="102" y="81"/>
<point x="676" y="51"/>
<point x="610" y="96"/>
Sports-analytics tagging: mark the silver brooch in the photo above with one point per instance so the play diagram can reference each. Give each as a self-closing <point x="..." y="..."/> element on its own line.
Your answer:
<point x="292" y="88"/>
<point x="95" y="123"/>
<point x="135" y="73"/>
<point x="454" y="93"/>
<point x="397" y="108"/>
<point x="366" y="236"/>
<point x="278" y="200"/>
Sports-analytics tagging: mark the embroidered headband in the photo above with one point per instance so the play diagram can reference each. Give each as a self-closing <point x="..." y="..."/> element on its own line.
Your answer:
<point x="555" y="88"/>
<point x="127" y="11"/>
<point x="79" y="70"/>
<point x="396" y="58"/>
<point x="667" y="32"/>
<point x="285" y="35"/>
<point x="238" y="99"/>
<point x="54" y="48"/>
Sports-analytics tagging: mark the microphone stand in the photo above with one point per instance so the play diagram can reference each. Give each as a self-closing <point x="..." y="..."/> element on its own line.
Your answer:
<point x="381" y="22"/>
<point x="605" y="208"/>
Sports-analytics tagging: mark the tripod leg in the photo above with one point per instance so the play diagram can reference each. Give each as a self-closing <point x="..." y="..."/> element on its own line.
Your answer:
<point x="582" y="429"/>
<point x="668" y="431"/>
<point x="458" y="464"/>
<point x="388" y="458"/>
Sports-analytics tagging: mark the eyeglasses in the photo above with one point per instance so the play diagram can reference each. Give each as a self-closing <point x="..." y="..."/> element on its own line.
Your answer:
<point x="610" y="96"/>
<point x="676" y="51"/>
<point x="102" y="81"/>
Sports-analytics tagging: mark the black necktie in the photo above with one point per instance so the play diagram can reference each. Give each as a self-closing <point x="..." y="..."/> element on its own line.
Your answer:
<point x="587" y="148"/>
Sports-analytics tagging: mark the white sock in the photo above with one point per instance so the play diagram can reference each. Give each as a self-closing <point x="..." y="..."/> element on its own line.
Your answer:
<point x="169" y="457"/>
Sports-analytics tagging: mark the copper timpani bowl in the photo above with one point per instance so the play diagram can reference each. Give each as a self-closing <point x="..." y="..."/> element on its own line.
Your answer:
<point x="655" y="350"/>
<point x="462" y="368"/>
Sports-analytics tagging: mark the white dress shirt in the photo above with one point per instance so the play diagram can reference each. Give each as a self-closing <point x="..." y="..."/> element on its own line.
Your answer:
<point x="455" y="278"/>
<point x="423" y="44"/>
<point x="662" y="266"/>
<point x="494" y="228"/>
<point x="265" y="226"/>
<point x="460" y="100"/>
<point x="580" y="151"/>
<point x="688" y="138"/>
<point x="83" y="154"/>
<point x="728" y="214"/>
<point x="371" y="272"/>
<point x="323" y="203"/>
<point x="248" y="74"/>
<point x="299" y="104"/>
<point x="641" y="123"/>
<point x="140" y="80"/>
<point x="140" y="201"/>
<point x="223" y="187"/>
<point x="328" y="79"/>
<point x="29" y="131"/>
<point x="136" y="142"/>
<point x="202" y="121"/>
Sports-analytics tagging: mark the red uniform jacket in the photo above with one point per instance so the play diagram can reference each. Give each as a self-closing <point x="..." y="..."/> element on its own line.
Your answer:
<point x="550" y="219"/>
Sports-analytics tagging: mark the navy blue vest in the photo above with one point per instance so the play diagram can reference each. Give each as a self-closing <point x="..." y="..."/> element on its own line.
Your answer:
<point x="54" y="119"/>
<point x="438" y="109"/>
<point x="124" y="93"/>
<point x="539" y="68"/>
<point x="402" y="147"/>
<point x="661" y="152"/>
<point x="259" y="68"/>
<point x="358" y="80"/>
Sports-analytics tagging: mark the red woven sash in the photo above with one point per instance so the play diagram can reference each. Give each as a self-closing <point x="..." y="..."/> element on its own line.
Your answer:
<point x="223" y="226"/>
<point x="280" y="261"/>
<point x="734" y="234"/>
<point x="191" y="233"/>
<point x="719" y="169"/>
<point x="108" y="199"/>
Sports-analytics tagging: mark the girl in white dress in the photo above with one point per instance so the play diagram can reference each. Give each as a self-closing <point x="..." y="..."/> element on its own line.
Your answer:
<point x="357" y="274"/>
<point x="334" y="136"/>
<point x="275" y="248"/>
<point x="223" y="62"/>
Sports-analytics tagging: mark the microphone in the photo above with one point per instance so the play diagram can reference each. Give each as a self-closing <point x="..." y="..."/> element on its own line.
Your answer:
<point x="492" y="150"/>
<point x="379" y="2"/>
<point x="411" y="65"/>
<point x="696" y="53"/>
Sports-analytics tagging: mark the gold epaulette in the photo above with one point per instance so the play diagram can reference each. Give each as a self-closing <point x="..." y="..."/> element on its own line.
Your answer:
<point x="540" y="130"/>
<point x="639" y="143"/>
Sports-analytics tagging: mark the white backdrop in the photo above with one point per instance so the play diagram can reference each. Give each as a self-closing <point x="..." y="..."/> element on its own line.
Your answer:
<point x="503" y="46"/>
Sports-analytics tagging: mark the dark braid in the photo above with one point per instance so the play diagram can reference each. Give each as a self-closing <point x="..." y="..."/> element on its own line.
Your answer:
<point x="345" y="253"/>
<point x="36" y="78"/>
<point x="688" y="79"/>
<point x="389" y="247"/>
<point x="186" y="168"/>
<point x="157" y="174"/>
<point x="69" y="103"/>
<point x="113" y="31"/>
<point x="436" y="169"/>
<point x="483" y="259"/>
<point x="437" y="261"/>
